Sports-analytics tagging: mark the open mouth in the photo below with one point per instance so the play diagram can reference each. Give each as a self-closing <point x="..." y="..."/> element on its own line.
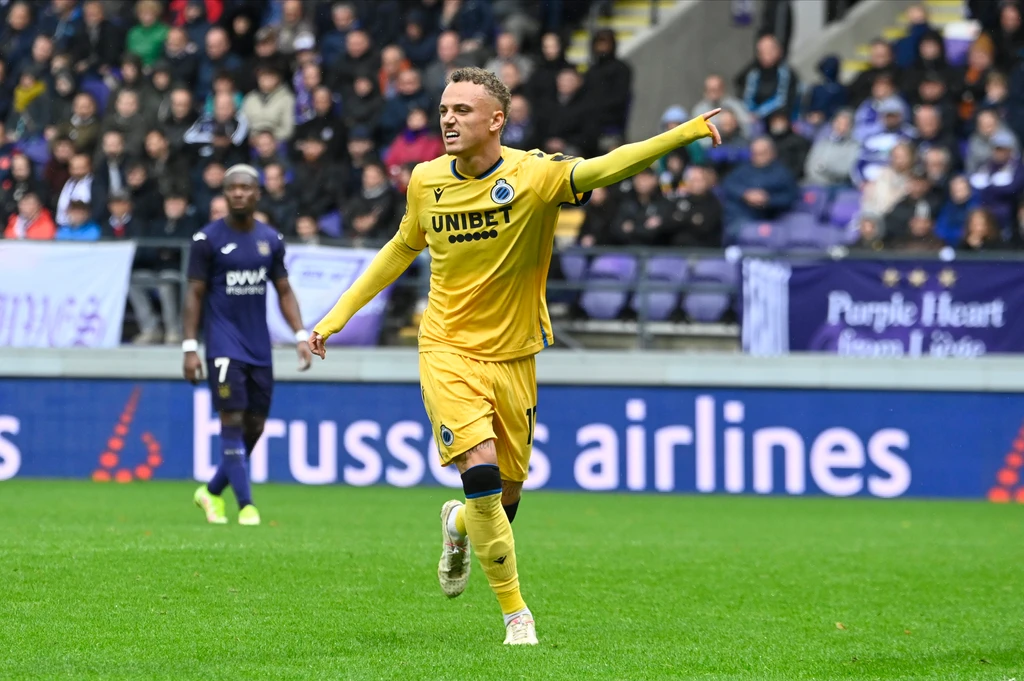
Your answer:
<point x="451" y="135"/>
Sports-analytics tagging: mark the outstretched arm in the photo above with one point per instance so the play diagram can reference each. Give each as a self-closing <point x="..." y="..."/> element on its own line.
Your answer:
<point x="630" y="159"/>
<point x="384" y="269"/>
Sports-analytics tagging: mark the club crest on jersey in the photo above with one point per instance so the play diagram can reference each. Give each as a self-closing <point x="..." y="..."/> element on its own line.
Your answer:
<point x="263" y="247"/>
<point x="447" y="436"/>
<point x="502" y="192"/>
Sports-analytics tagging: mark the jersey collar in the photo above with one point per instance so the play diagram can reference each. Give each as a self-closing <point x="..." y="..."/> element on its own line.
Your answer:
<point x="460" y="176"/>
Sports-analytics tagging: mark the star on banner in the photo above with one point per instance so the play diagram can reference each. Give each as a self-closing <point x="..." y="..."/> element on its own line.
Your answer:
<point x="891" y="277"/>
<point x="947" y="277"/>
<point x="917" y="277"/>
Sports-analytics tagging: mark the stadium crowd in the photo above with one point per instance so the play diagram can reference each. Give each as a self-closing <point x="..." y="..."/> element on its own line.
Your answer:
<point x="118" y="119"/>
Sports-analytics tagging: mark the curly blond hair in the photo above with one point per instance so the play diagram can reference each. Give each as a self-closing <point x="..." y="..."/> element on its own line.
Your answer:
<point x="495" y="88"/>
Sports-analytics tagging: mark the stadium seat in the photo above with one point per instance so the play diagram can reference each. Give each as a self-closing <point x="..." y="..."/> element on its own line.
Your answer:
<point x="710" y="306"/>
<point x="845" y="206"/>
<point x="804" y="231"/>
<point x="660" y="305"/>
<point x="330" y="224"/>
<point x="813" y="201"/>
<point x="760" y="235"/>
<point x="99" y="92"/>
<point x="574" y="265"/>
<point x="608" y="304"/>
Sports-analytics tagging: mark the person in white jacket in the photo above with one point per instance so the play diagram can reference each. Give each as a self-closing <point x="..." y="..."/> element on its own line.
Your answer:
<point x="832" y="156"/>
<point x="271" y="106"/>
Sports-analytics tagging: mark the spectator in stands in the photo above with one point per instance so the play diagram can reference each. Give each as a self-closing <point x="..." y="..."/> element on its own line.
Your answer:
<point x="520" y="130"/>
<point x="598" y="219"/>
<point x="645" y="217"/>
<point x="507" y="48"/>
<point x="715" y="96"/>
<point x="18" y="35"/>
<point x="972" y="80"/>
<point x="81" y="224"/>
<point x="177" y="118"/>
<point x="60" y="21"/>
<point x="293" y="24"/>
<point x="363" y="105"/>
<point x="83" y="129"/>
<point x="997" y="97"/>
<point x="890" y="186"/>
<point x="1009" y="38"/>
<point x="266" y="152"/>
<point x="267" y="54"/>
<point x="277" y="200"/>
<point x="111" y="169"/>
<point x="570" y="125"/>
<point x="272" y="106"/>
<point x="981" y="232"/>
<point x="210" y="184"/>
<point x="613" y="79"/>
<point x="906" y="49"/>
<point x="157" y="92"/>
<point x="792" y="149"/>
<point x="828" y="96"/>
<point x="510" y="76"/>
<point x="906" y="219"/>
<point x="97" y="48"/>
<point x="146" y="38"/>
<point x="319" y="182"/>
<point x="698" y="212"/>
<point x="932" y="135"/>
<point x="418" y="143"/>
<point x="126" y="117"/>
<point x="369" y="215"/>
<point x="410" y="95"/>
<point x="332" y="42"/>
<point x="735" y="147"/>
<point x="880" y="64"/>
<point x="307" y="80"/>
<point x="541" y="85"/>
<point x="6" y="90"/>
<point x="867" y="120"/>
<point x="181" y="55"/>
<point x="361" y="152"/>
<point x="979" y="145"/>
<point x="120" y="223"/>
<point x="223" y="83"/>
<point x="62" y="97"/>
<point x="143" y="192"/>
<point x="170" y="170"/>
<point x="950" y="225"/>
<point x="39" y="60"/>
<point x="216" y="59"/>
<point x="55" y="174"/>
<point x="21" y="180"/>
<point x="417" y="42"/>
<point x="392" y="63"/>
<point x="832" y="156"/>
<point x="931" y="60"/>
<point x="870" y="233"/>
<point x="77" y="188"/>
<point x="771" y="85"/>
<point x="472" y="19"/>
<point x="436" y="73"/>
<point x="672" y="165"/>
<point x="218" y="208"/>
<point x="30" y="110"/>
<point x="222" y="135"/>
<point x="939" y="169"/>
<point x="31" y="221"/>
<point x="1000" y="181"/>
<point x="325" y="123"/>
<point x="921" y="236"/>
<point x="359" y="59"/>
<point x="762" y="189"/>
<point x="307" y="229"/>
<point x="933" y="92"/>
<point x="876" y="147"/>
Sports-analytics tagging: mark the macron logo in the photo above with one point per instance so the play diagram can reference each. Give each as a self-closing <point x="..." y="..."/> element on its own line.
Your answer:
<point x="227" y="249"/>
<point x="198" y="236"/>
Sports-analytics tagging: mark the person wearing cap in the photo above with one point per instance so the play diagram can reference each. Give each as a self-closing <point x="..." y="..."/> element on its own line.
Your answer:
<point x="979" y="144"/>
<point x="922" y="200"/>
<point x="875" y="148"/>
<point x="271" y="106"/>
<point x="999" y="182"/>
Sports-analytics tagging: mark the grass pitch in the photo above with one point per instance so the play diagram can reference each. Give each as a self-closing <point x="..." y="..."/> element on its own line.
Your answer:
<point x="128" y="582"/>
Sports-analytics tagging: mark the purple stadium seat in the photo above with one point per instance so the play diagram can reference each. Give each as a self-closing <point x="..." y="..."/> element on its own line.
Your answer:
<point x="710" y="306"/>
<point x="956" y="50"/>
<point x="804" y="231"/>
<point x="574" y="266"/>
<point x="608" y="304"/>
<point x="99" y="92"/>
<point x="760" y="235"/>
<point x="845" y="206"/>
<point x="330" y="224"/>
<point x="812" y="201"/>
<point x="715" y="270"/>
<point x="660" y="305"/>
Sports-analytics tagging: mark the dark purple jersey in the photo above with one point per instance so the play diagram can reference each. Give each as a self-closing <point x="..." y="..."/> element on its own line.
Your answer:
<point x="237" y="268"/>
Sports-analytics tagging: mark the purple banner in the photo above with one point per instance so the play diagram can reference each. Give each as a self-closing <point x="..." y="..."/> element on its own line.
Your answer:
<point x="884" y="308"/>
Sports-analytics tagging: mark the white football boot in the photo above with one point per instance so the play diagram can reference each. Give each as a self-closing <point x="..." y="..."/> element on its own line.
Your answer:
<point x="453" y="568"/>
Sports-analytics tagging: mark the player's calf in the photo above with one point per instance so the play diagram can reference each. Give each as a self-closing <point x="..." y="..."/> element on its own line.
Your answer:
<point x="511" y="492"/>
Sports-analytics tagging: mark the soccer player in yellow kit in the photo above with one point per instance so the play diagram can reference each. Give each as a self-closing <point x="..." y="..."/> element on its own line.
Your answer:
<point x="488" y="213"/>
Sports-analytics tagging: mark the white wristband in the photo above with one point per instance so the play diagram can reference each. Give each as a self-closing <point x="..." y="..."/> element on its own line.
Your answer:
<point x="301" y="336"/>
<point x="190" y="345"/>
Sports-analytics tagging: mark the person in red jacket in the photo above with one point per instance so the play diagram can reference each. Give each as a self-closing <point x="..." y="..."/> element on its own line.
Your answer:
<point x="32" y="221"/>
<point x="416" y="144"/>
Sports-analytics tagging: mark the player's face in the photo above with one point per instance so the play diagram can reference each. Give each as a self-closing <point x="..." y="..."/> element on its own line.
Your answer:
<point x="469" y="118"/>
<point x="242" y="194"/>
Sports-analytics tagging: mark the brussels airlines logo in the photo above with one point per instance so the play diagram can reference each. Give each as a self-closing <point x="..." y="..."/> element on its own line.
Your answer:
<point x="247" y="282"/>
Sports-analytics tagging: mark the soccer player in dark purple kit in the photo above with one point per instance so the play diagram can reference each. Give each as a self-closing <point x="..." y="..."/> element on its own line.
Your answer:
<point x="230" y="264"/>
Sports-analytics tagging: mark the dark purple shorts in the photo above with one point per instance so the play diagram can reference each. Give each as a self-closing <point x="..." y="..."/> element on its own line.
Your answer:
<point x="237" y="386"/>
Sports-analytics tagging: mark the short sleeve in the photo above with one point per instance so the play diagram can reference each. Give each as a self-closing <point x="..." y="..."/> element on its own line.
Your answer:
<point x="410" y="229"/>
<point x="200" y="258"/>
<point x="551" y="178"/>
<point x="277" y="269"/>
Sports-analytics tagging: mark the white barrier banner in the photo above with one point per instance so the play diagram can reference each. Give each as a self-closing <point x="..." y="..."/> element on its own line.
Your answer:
<point x="58" y="295"/>
<point x="318" y="276"/>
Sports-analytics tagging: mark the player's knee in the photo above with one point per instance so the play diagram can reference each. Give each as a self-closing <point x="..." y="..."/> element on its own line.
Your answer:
<point x="511" y="492"/>
<point x="253" y="426"/>
<point x="483" y="453"/>
<point x="231" y="419"/>
<point x="481" y="480"/>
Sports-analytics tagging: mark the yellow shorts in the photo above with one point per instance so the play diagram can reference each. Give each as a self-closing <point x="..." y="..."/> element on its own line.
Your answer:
<point x="469" y="402"/>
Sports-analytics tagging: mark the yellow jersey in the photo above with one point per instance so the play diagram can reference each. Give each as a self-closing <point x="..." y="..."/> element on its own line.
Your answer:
<point x="490" y="239"/>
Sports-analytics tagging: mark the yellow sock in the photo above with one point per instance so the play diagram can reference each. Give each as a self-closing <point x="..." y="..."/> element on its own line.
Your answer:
<point x="495" y="548"/>
<point x="460" y="521"/>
